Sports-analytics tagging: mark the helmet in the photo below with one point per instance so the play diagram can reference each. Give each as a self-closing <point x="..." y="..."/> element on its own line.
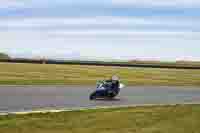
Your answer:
<point x="115" y="77"/>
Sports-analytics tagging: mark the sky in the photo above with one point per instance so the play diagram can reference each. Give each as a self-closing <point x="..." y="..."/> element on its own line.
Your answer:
<point x="167" y="30"/>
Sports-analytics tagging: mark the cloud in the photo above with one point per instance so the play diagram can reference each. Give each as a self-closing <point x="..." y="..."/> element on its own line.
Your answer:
<point x="4" y="4"/>
<point x="35" y="4"/>
<point x="113" y="45"/>
<point x="101" y="22"/>
<point x="77" y="8"/>
<point x="111" y="3"/>
<point x="35" y="22"/>
<point x="156" y="3"/>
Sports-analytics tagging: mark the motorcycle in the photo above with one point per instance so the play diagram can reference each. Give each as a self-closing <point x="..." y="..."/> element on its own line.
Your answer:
<point x="103" y="91"/>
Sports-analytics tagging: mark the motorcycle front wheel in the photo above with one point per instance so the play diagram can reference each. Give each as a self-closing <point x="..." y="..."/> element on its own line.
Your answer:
<point x="93" y="96"/>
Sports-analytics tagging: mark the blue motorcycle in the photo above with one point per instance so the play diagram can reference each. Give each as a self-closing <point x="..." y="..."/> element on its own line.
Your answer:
<point x="105" y="90"/>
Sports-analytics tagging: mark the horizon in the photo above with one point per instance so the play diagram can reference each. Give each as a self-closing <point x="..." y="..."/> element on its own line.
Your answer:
<point x="101" y="30"/>
<point x="94" y="59"/>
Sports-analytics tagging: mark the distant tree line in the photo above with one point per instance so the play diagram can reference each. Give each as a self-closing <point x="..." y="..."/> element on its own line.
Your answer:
<point x="4" y="56"/>
<point x="133" y="63"/>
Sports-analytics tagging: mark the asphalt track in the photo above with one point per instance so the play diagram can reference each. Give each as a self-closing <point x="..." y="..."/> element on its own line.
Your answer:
<point x="22" y="98"/>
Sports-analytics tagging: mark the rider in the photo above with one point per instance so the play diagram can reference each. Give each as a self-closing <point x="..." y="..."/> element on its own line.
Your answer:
<point x="113" y="84"/>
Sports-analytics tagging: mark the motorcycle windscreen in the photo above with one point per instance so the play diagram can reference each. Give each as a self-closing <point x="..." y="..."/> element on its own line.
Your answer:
<point x="100" y="87"/>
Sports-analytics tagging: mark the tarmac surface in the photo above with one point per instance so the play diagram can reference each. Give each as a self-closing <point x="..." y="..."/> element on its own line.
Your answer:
<point x="22" y="98"/>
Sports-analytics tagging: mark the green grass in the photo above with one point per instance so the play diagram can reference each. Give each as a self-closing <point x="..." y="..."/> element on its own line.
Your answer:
<point x="155" y="119"/>
<point x="46" y="74"/>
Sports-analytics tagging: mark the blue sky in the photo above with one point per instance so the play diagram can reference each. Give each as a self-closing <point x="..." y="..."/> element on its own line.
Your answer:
<point x="103" y="30"/>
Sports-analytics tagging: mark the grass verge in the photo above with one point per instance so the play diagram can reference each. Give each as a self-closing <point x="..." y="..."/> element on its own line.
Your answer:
<point x="155" y="119"/>
<point x="46" y="74"/>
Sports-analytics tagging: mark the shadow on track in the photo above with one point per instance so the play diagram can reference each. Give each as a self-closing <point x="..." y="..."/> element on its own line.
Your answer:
<point x="107" y="99"/>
